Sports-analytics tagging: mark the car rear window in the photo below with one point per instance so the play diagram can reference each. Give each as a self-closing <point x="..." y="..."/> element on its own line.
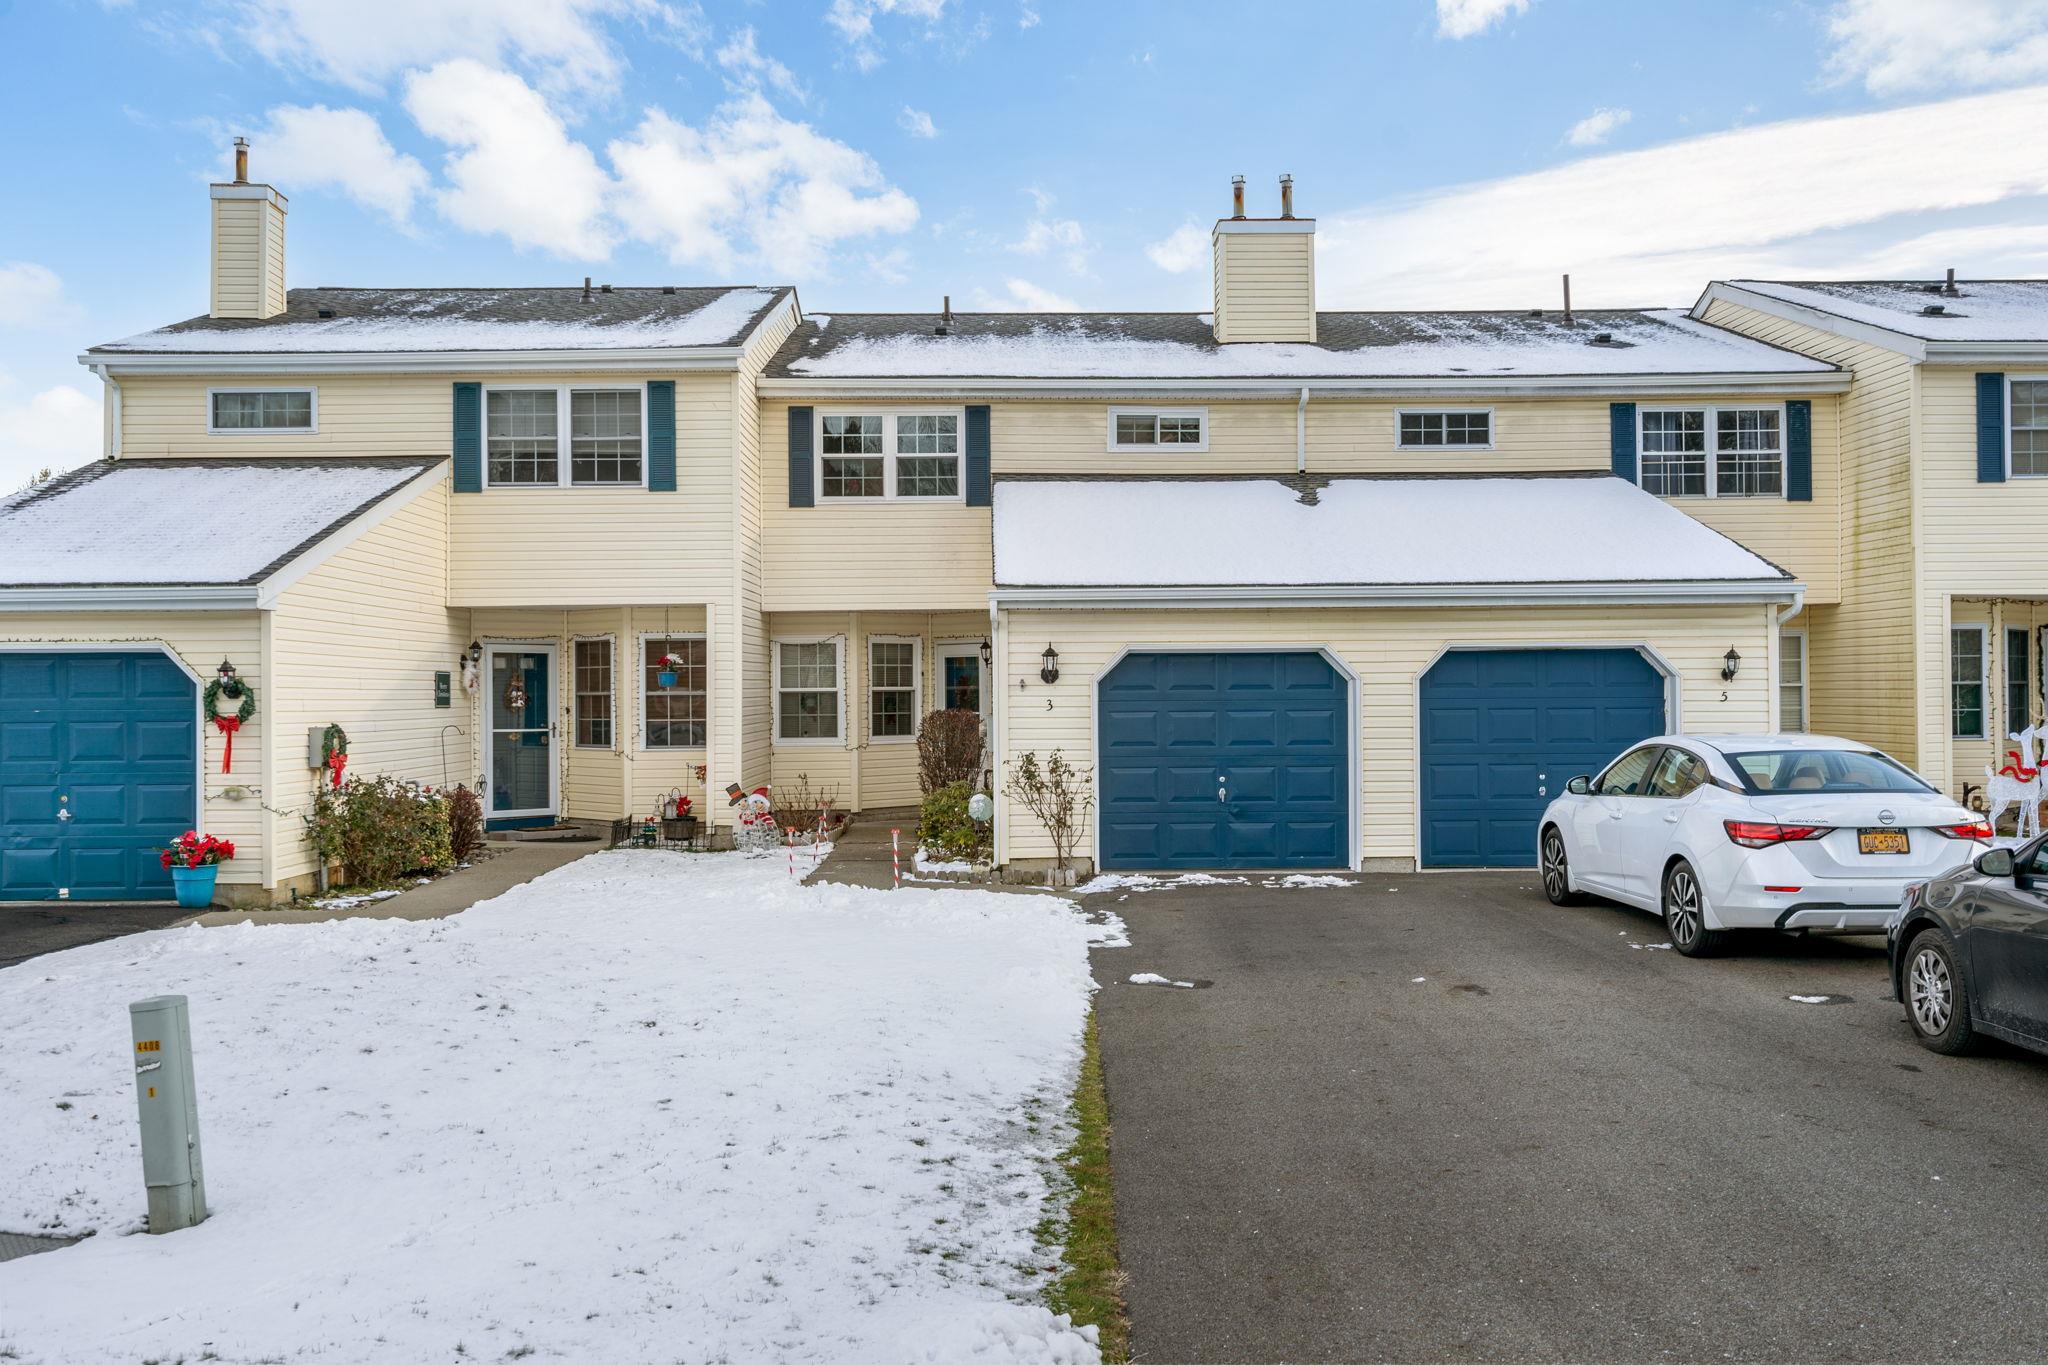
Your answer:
<point x="1794" y="772"/>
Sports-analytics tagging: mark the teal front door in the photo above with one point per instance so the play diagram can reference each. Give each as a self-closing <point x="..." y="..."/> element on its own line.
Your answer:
<point x="521" y="755"/>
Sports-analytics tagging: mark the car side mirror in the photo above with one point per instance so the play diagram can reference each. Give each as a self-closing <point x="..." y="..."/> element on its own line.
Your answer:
<point x="1580" y="786"/>
<point x="1996" y="863"/>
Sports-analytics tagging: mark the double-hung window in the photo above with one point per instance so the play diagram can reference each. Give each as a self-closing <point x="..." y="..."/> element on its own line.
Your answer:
<point x="232" y="411"/>
<point x="593" y="694"/>
<point x="672" y="716"/>
<point x="606" y="437"/>
<point x="1966" y="682"/>
<point x="2019" y="690"/>
<point x="892" y="688"/>
<point x="1715" y="452"/>
<point x="886" y="456"/>
<point x="806" y="691"/>
<point x="1169" y="429"/>
<point x="1457" y="429"/>
<point x="1792" y="681"/>
<point x="2028" y="401"/>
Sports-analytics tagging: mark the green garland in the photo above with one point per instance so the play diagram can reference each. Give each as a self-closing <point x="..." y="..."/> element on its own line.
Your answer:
<point x="333" y="741"/>
<point x="216" y="689"/>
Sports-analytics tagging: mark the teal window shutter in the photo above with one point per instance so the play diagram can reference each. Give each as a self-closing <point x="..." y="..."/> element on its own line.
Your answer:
<point x="661" y="436"/>
<point x="801" y="493"/>
<point x="1799" y="451"/>
<point x="978" y="491"/>
<point x="1990" y="428"/>
<point x="469" y="438"/>
<point x="1621" y="439"/>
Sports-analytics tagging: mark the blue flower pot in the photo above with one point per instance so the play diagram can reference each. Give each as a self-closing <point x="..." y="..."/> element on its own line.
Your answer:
<point x="666" y="677"/>
<point x="195" y="885"/>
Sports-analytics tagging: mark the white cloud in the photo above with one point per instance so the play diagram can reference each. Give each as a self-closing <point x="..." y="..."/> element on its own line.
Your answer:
<point x="363" y="43"/>
<point x="1022" y="296"/>
<point x="890" y="267"/>
<point x="58" y="428"/>
<point x="1650" y="226"/>
<point x="315" y="147"/>
<point x="751" y="186"/>
<point x="855" y="22"/>
<point x="1897" y="47"/>
<point x="1465" y="18"/>
<point x="1594" y="128"/>
<point x="32" y="295"/>
<point x="1027" y="17"/>
<point x="1045" y="235"/>
<point x="515" y="169"/>
<point x="751" y="67"/>
<point x="1183" y="250"/>
<point x="916" y="122"/>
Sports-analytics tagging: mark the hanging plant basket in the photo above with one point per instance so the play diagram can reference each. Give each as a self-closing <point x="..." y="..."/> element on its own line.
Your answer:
<point x="665" y="670"/>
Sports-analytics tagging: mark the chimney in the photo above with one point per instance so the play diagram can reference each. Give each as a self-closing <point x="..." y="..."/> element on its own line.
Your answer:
<point x="248" y="246"/>
<point x="1265" y="272"/>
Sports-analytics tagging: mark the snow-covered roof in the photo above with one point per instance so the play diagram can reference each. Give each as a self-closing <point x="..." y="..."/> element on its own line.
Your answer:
<point x="1360" y="531"/>
<point x="1979" y="310"/>
<point x="123" y="523"/>
<point x="1349" y="345"/>
<point x="429" y="320"/>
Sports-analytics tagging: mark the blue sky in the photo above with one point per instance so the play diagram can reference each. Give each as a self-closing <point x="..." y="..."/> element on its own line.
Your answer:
<point x="1012" y="153"/>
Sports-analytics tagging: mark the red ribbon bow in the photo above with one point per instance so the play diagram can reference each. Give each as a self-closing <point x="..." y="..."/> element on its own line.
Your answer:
<point x="335" y="763"/>
<point x="227" y="725"/>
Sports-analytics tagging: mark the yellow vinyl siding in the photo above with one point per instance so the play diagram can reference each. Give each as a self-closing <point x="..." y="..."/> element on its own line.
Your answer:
<point x="356" y="643"/>
<point x="1265" y="286"/>
<point x="248" y="266"/>
<point x="1388" y="650"/>
<point x="198" y="640"/>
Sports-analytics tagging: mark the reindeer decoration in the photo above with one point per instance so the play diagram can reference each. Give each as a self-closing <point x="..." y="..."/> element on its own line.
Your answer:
<point x="2018" y="782"/>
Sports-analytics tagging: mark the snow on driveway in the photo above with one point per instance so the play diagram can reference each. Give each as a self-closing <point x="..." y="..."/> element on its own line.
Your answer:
<point x="651" y="1106"/>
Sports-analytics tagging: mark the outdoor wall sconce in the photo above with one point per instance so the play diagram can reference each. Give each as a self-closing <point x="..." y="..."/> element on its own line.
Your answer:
<point x="476" y="652"/>
<point x="1049" y="666"/>
<point x="1730" y="662"/>
<point x="230" y="685"/>
<point x="988" y="654"/>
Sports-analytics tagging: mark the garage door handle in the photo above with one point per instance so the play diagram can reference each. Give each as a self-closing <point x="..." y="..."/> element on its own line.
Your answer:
<point x="63" y="814"/>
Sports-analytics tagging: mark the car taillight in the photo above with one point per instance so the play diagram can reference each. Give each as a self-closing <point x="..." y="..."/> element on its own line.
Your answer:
<point x="1980" y="831"/>
<point x="1752" y="834"/>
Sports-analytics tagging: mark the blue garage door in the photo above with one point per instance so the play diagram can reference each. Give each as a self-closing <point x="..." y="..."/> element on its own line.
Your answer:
<point x="97" y="767"/>
<point x="1224" y="760"/>
<point x="1504" y="730"/>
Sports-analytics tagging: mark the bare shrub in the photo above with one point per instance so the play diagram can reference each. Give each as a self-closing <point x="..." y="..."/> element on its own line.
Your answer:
<point x="948" y="749"/>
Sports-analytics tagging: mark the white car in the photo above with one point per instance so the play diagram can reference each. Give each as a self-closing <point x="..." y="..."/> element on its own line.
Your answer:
<point x="1721" y="832"/>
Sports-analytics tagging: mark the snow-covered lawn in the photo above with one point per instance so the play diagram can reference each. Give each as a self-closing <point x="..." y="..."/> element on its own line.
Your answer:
<point x="650" y="1107"/>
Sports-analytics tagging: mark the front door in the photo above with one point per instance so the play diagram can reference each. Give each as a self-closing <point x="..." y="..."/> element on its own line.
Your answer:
<point x="521" y="754"/>
<point x="960" y="682"/>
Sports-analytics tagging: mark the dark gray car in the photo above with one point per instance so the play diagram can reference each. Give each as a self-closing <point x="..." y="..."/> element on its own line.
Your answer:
<point x="1969" y="952"/>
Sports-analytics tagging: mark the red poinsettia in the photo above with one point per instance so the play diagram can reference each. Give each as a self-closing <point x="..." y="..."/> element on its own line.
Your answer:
<point x="193" y="849"/>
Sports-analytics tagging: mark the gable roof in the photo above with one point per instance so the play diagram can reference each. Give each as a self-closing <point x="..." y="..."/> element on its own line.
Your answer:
<point x="1479" y="347"/>
<point x="188" y="524"/>
<point x="428" y="321"/>
<point x="1979" y="310"/>
<point x="1571" y="537"/>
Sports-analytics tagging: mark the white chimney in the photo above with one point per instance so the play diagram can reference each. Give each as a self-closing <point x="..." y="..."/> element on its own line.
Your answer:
<point x="1265" y="272"/>
<point x="248" y="245"/>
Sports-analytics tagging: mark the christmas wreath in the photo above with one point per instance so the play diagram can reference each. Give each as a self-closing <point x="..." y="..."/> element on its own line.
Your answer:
<point x="334" y="751"/>
<point x="234" y="689"/>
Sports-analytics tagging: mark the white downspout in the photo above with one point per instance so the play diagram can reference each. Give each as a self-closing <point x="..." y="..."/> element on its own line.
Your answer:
<point x="1301" y="433"/>
<point x="114" y="394"/>
<point x="992" y="689"/>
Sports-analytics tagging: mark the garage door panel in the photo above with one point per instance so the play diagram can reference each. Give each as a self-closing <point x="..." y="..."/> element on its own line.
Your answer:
<point x="1130" y="730"/>
<point x="97" y="677"/>
<point x="1503" y="730"/>
<point x="28" y="873"/>
<point x="28" y="741"/>
<point x="161" y="741"/>
<point x="28" y="803"/>
<point x="1274" y="725"/>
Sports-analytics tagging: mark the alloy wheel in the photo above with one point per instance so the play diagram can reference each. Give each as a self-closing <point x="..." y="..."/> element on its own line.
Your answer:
<point x="1682" y="907"/>
<point x="1556" y="881"/>
<point x="1930" y="992"/>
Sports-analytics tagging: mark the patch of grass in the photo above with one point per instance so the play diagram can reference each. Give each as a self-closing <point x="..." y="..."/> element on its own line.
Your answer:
<point x="1090" y="1287"/>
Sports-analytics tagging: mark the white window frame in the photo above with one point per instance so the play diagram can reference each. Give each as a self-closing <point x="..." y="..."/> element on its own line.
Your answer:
<point x="1805" y="680"/>
<point x="1152" y="410"/>
<point x="916" y="688"/>
<point x="1984" y="678"/>
<point x="2011" y="380"/>
<point x="775" y="691"/>
<point x="640" y="644"/>
<point x="312" y="392"/>
<point x="562" y="437"/>
<point x="889" y="417"/>
<point x="2006" y="678"/>
<point x="576" y="693"/>
<point x="1713" y="453"/>
<point x="1491" y="429"/>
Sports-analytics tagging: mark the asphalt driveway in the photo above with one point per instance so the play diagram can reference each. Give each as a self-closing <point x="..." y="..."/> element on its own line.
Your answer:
<point x="31" y="929"/>
<point x="1559" y="1142"/>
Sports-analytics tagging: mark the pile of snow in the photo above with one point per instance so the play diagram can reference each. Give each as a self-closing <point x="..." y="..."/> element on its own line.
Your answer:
<point x="927" y="863"/>
<point x="650" y="1106"/>
<point x="1139" y="881"/>
<point x="1983" y="310"/>
<point x="1155" y="979"/>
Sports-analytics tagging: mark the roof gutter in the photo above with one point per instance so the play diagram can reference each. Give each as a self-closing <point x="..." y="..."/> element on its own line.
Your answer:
<point x="411" y="362"/>
<point x="132" y="597"/>
<point x="1704" y="592"/>
<point x="1429" y="386"/>
<point x="1987" y="353"/>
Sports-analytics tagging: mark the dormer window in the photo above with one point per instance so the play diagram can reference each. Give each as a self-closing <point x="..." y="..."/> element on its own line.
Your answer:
<point x="235" y="411"/>
<point x="1157" y="429"/>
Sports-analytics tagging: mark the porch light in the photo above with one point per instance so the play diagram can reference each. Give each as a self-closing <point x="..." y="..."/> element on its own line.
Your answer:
<point x="476" y="652"/>
<point x="229" y="683"/>
<point x="1049" y="666"/>
<point x="988" y="654"/>
<point x="1730" y="662"/>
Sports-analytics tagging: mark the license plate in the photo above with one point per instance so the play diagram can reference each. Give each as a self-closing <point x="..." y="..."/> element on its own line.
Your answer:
<point x="1881" y="841"/>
